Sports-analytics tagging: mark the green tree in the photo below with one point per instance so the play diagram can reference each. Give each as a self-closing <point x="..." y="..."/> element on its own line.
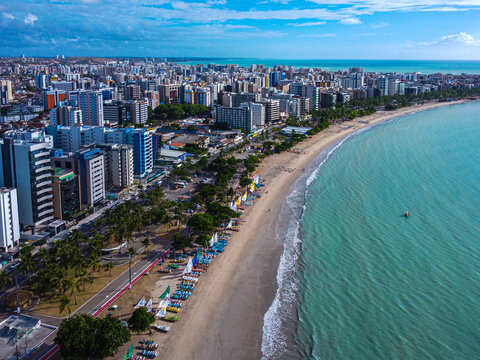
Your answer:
<point x="5" y="281"/>
<point x="146" y="242"/>
<point x="65" y="305"/>
<point x="202" y="223"/>
<point x="93" y="338"/>
<point x="108" y="267"/>
<point x="180" y="242"/>
<point x="26" y="262"/>
<point x="141" y="320"/>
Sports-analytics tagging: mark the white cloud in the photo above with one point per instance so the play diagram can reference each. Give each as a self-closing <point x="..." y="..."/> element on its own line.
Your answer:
<point x="326" y="35"/>
<point x="30" y="19"/>
<point x="381" y="24"/>
<point x="460" y="38"/>
<point x="312" y="23"/>
<point x="368" y="7"/>
<point x="350" y="21"/>
<point x="8" y="16"/>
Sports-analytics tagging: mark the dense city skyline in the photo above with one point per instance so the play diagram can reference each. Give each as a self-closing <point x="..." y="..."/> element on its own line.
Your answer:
<point x="286" y="29"/>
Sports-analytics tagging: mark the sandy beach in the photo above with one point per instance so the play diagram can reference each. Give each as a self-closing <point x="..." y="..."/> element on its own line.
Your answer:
<point x="223" y="319"/>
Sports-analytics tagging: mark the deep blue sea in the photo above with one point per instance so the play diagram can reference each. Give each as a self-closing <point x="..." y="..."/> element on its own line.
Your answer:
<point x="382" y="66"/>
<point x="360" y="281"/>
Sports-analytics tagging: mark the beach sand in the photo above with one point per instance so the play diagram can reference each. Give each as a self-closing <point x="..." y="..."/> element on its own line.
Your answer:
<point x="223" y="319"/>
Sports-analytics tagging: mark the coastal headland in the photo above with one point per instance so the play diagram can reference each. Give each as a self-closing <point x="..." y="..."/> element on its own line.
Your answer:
<point x="224" y="319"/>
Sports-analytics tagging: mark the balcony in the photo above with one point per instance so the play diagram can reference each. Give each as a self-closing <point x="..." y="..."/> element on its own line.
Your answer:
<point x="40" y="154"/>
<point x="44" y="183"/>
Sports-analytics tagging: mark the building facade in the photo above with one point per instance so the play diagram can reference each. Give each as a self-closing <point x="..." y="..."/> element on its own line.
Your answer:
<point x="9" y="224"/>
<point x="25" y="166"/>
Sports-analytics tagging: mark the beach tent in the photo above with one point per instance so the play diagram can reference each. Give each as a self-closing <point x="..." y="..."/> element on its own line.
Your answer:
<point x="149" y="305"/>
<point x="141" y="303"/>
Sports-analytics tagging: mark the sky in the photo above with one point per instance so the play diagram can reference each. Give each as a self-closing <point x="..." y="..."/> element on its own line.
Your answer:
<point x="277" y="29"/>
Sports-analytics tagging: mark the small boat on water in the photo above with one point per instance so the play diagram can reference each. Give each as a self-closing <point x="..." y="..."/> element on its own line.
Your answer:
<point x="406" y="214"/>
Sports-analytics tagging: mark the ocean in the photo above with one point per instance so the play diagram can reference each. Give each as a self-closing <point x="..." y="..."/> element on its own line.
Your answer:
<point x="357" y="280"/>
<point x="381" y="66"/>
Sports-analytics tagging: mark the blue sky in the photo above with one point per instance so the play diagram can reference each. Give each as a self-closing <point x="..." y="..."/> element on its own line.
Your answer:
<point x="283" y="29"/>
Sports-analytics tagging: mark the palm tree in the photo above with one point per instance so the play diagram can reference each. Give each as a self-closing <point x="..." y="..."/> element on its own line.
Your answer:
<point x="109" y="266"/>
<point x="84" y="278"/>
<point x="146" y="242"/>
<point x="5" y="280"/>
<point x="44" y="255"/>
<point x="26" y="262"/>
<point x="65" y="305"/>
<point x="94" y="262"/>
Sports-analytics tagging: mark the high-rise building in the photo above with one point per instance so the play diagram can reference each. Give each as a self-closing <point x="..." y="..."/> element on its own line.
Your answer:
<point x="256" y="113"/>
<point x="272" y="109"/>
<point x="91" y="167"/>
<point x="118" y="165"/>
<point x="5" y="92"/>
<point x="329" y="99"/>
<point x="52" y="98"/>
<point x="91" y="104"/>
<point x="64" y="85"/>
<point x="66" y="195"/>
<point x="169" y="94"/>
<point x="138" y="111"/>
<point x="241" y="98"/>
<point x="132" y="92"/>
<point x="9" y="224"/>
<point x="234" y="117"/>
<point x="41" y="81"/>
<point x="115" y="112"/>
<point x="25" y="165"/>
<point x="382" y="84"/>
<point x="141" y="142"/>
<point x="66" y="116"/>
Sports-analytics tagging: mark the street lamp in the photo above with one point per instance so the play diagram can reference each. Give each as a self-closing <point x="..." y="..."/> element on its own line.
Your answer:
<point x="16" y="285"/>
<point x="129" y="271"/>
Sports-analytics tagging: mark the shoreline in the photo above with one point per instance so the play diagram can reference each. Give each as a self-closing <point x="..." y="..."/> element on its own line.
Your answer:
<point x="224" y="318"/>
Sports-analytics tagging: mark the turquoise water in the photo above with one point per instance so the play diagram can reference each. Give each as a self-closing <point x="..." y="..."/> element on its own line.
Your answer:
<point x="384" y="66"/>
<point x="376" y="285"/>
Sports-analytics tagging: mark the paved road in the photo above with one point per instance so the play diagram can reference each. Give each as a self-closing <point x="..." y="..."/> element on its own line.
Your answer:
<point x="97" y="304"/>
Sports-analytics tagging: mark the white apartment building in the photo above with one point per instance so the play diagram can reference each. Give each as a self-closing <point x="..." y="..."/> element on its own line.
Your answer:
<point x="9" y="223"/>
<point x="25" y="166"/>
